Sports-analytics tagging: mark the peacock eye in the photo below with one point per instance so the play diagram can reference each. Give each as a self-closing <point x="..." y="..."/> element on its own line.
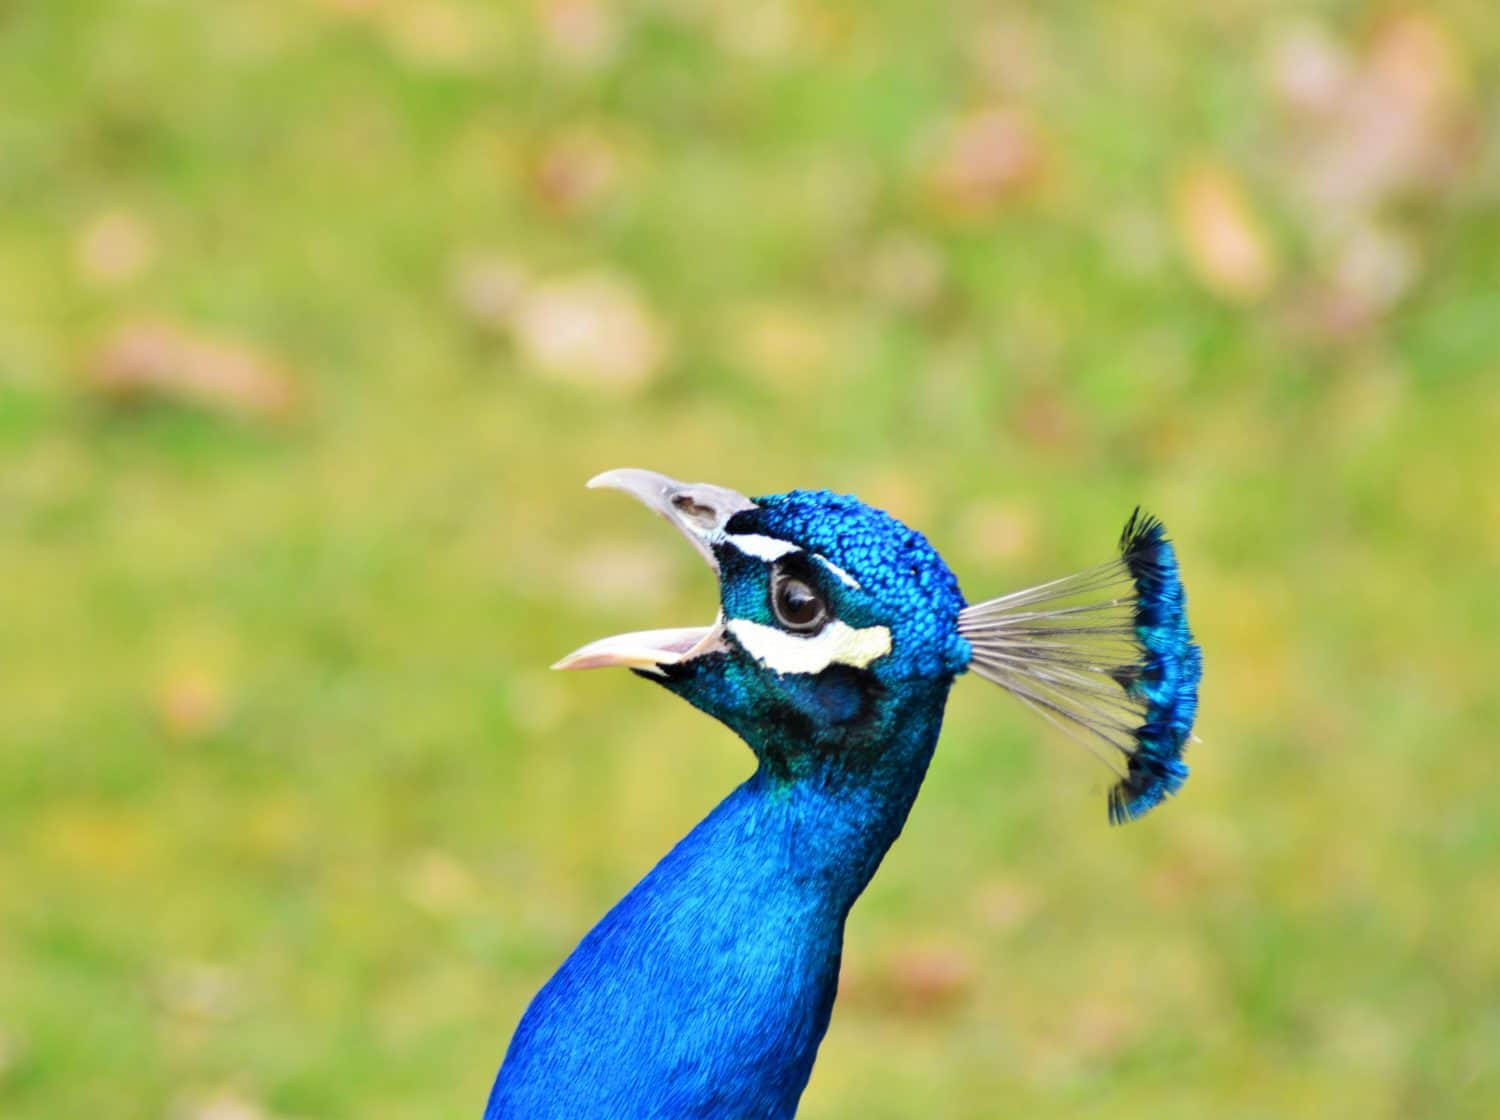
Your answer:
<point x="797" y="605"/>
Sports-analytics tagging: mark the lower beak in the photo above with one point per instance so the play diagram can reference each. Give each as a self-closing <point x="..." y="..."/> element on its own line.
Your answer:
<point x="699" y="512"/>
<point x="645" y="649"/>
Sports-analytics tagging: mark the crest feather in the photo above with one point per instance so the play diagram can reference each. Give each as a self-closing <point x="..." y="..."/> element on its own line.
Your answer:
<point x="1105" y="654"/>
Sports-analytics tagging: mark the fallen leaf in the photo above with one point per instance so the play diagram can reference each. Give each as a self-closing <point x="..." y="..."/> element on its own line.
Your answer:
<point x="1223" y="239"/>
<point x="191" y="704"/>
<point x="114" y="248"/>
<point x="1310" y="71"/>
<point x="155" y="358"/>
<point x="593" y="330"/>
<point x="1370" y="271"/>
<point x="577" y="169"/>
<point x="1044" y="419"/>
<point x="985" y="160"/>
<point x="582" y="33"/>
<point x="1369" y="126"/>
<point x="918" y="981"/>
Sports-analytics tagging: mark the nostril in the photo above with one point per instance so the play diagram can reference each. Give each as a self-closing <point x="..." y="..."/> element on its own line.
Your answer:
<point x="689" y="506"/>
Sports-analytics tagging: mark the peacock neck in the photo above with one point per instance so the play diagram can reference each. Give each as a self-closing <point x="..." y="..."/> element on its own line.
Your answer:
<point x="706" y="990"/>
<point x="838" y="813"/>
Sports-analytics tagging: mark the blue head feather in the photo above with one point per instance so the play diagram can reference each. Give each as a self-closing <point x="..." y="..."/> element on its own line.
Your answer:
<point x="873" y="572"/>
<point x="903" y="582"/>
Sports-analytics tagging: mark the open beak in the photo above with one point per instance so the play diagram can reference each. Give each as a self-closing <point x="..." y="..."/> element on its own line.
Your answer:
<point x="699" y="511"/>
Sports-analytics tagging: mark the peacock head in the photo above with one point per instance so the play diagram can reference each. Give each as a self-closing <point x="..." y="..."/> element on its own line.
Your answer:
<point x="839" y="626"/>
<point x="835" y="621"/>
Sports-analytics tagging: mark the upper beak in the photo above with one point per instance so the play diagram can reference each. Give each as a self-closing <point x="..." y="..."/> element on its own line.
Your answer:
<point x="699" y="510"/>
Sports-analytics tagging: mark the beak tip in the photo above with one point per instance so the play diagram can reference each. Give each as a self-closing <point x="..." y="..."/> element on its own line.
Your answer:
<point x="629" y="479"/>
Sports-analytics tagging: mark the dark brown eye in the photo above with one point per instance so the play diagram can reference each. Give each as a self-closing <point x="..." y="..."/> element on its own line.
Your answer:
<point x="797" y="605"/>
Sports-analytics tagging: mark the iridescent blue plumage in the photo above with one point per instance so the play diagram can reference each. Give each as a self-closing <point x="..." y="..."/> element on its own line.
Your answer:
<point x="901" y="577"/>
<point x="705" y="992"/>
<point x="1170" y="669"/>
<point x="1105" y="654"/>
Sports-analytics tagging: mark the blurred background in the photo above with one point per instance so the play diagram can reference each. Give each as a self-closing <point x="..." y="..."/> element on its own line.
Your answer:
<point x="315" y="315"/>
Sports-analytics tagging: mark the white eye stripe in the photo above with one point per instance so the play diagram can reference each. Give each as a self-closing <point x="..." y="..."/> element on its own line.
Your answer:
<point x="760" y="546"/>
<point x="844" y="577"/>
<point x="838" y="643"/>
<point x="771" y="549"/>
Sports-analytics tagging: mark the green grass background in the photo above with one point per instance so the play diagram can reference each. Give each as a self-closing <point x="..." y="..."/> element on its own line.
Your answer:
<point x="293" y="818"/>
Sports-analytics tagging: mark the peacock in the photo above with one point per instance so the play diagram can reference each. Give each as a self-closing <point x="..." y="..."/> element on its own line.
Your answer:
<point x="707" y="989"/>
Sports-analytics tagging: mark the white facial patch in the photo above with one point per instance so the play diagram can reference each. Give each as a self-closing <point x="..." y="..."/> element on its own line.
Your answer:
<point x="838" y="643"/>
<point x="761" y="546"/>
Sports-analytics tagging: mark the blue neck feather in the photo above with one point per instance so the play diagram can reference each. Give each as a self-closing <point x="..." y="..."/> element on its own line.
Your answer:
<point x="706" y="990"/>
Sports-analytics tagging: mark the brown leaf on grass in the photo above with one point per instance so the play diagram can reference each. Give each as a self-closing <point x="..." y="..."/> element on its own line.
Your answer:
<point x="114" y="248"/>
<point x="576" y="170"/>
<point x="985" y="160"/>
<point x="581" y="33"/>
<point x="1369" y="126"/>
<point x="191" y="704"/>
<point x="1366" y="273"/>
<point x="917" y="980"/>
<point x="1309" y="69"/>
<point x="146" y="359"/>
<point x="1044" y="419"/>
<point x="1221" y="235"/>
<point x="595" y="329"/>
